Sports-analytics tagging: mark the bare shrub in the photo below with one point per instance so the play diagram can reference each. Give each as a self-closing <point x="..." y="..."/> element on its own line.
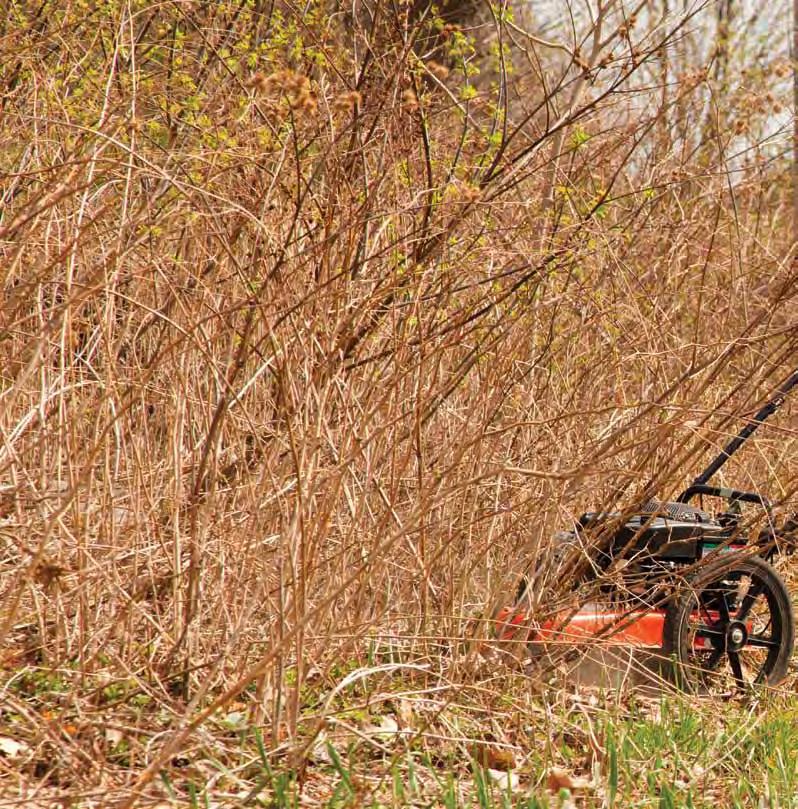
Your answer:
<point x="316" y="325"/>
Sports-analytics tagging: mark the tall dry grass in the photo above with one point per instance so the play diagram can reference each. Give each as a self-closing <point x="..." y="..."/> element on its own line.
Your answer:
<point x="316" y="323"/>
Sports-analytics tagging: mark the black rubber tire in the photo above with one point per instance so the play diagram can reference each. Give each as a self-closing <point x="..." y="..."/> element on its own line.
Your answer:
<point x="711" y="592"/>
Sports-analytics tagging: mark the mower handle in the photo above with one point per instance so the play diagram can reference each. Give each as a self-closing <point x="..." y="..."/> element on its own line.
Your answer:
<point x="731" y="495"/>
<point x="748" y="430"/>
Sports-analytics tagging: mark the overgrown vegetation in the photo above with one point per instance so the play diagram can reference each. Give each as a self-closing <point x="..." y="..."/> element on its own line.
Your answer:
<point x="316" y="322"/>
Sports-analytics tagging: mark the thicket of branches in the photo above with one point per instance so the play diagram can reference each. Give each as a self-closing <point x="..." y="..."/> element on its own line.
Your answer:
<point x="316" y="321"/>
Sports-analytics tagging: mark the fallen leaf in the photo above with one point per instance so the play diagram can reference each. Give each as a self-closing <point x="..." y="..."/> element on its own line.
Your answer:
<point x="504" y="780"/>
<point x="235" y="720"/>
<point x="387" y="727"/>
<point x="493" y="757"/>
<point x="405" y="712"/>
<point x="585" y="696"/>
<point x="559" y="778"/>
<point x="651" y="709"/>
<point x="320" y="752"/>
<point x="11" y="747"/>
<point x="113" y="736"/>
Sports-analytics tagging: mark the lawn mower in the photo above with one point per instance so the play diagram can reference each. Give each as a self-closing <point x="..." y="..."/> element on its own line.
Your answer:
<point x="697" y="589"/>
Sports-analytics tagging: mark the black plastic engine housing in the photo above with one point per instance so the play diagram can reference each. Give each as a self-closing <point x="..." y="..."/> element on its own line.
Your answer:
<point x="667" y="531"/>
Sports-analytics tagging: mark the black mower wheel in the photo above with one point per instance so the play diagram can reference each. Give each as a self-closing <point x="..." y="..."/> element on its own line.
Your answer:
<point x="730" y="626"/>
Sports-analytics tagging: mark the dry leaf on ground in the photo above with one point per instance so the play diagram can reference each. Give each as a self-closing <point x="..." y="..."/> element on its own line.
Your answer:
<point x="387" y="728"/>
<point x="12" y="748"/>
<point x="493" y="757"/>
<point x="503" y="779"/>
<point x="404" y="710"/>
<point x="559" y="778"/>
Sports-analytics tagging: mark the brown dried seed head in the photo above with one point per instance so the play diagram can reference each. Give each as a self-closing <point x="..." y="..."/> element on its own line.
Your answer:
<point x="448" y="30"/>
<point x="291" y="81"/>
<point x="470" y="193"/>
<point x="346" y="101"/>
<point x="46" y="572"/>
<point x="438" y="70"/>
<point x="302" y="99"/>
<point x="410" y="99"/>
<point x="258" y="82"/>
<point x="462" y="193"/>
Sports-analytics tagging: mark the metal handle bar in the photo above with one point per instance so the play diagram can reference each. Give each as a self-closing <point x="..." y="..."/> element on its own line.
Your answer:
<point x="726" y="494"/>
<point x="764" y="412"/>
